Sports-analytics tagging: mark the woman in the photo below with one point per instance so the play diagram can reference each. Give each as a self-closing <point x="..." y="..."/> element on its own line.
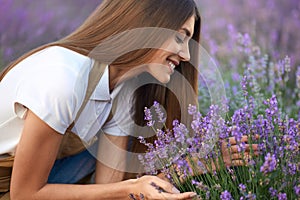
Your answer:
<point x="45" y="90"/>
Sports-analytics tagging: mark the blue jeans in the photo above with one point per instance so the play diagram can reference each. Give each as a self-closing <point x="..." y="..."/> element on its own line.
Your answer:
<point x="71" y="169"/>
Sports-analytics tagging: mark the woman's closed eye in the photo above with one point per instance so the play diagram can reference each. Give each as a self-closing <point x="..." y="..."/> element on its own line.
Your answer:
<point x="179" y="39"/>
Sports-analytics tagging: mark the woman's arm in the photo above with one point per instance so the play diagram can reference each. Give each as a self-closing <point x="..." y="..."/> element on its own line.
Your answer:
<point x="111" y="158"/>
<point x="34" y="159"/>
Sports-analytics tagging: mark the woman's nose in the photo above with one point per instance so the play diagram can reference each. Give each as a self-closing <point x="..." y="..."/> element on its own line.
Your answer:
<point x="184" y="53"/>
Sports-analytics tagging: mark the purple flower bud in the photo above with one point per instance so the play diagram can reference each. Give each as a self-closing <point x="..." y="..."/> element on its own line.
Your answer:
<point x="192" y="109"/>
<point x="160" y="190"/>
<point x="282" y="196"/>
<point x="250" y="196"/>
<point x="242" y="187"/>
<point x="273" y="192"/>
<point x="142" y="197"/>
<point x="292" y="168"/>
<point x="159" y="112"/>
<point x="225" y="195"/>
<point x="297" y="190"/>
<point x="207" y="195"/>
<point x="200" y="185"/>
<point x="131" y="196"/>
<point x="269" y="164"/>
<point x="148" y="117"/>
<point x="175" y="122"/>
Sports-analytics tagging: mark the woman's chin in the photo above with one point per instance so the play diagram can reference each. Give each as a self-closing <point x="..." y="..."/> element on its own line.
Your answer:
<point x="164" y="80"/>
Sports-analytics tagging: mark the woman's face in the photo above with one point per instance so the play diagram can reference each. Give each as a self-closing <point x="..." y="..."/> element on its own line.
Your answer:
<point x="173" y="51"/>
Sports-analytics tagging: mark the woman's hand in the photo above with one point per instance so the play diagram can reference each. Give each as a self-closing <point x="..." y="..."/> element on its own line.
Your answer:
<point x="232" y="156"/>
<point x="152" y="187"/>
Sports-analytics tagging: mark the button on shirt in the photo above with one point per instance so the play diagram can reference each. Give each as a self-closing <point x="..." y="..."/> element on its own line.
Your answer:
<point x="52" y="84"/>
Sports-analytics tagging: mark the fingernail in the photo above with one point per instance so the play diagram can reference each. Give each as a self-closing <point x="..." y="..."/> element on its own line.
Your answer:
<point x="193" y="195"/>
<point x="175" y="190"/>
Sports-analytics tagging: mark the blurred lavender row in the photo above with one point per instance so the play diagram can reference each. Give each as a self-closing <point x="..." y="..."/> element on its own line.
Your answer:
<point x="26" y="24"/>
<point x="273" y="24"/>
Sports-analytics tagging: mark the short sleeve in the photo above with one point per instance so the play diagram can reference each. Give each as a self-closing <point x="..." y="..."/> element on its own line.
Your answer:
<point x="119" y="126"/>
<point x="51" y="95"/>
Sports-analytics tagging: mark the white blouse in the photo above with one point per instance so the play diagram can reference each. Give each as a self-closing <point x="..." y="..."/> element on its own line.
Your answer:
<point x="52" y="84"/>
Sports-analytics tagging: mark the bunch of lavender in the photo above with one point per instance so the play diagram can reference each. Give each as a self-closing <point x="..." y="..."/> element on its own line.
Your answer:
<point x="191" y="157"/>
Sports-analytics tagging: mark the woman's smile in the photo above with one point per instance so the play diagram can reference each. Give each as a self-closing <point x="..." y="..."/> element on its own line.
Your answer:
<point x="172" y="64"/>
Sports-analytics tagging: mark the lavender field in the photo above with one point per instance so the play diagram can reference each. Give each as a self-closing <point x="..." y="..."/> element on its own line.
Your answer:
<point x="26" y="24"/>
<point x="256" y="45"/>
<point x="273" y="24"/>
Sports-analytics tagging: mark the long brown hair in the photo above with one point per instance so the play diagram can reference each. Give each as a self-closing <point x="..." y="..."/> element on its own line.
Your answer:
<point x="114" y="17"/>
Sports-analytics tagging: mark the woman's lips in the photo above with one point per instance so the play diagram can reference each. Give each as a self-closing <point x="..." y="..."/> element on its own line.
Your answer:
<point x="172" y="64"/>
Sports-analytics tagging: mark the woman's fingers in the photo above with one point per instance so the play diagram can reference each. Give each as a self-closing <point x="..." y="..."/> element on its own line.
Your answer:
<point x="238" y="163"/>
<point x="246" y="148"/>
<point x="166" y="190"/>
<point x="233" y="141"/>
<point x="245" y="155"/>
<point x="244" y="139"/>
<point x="182" y="196"/>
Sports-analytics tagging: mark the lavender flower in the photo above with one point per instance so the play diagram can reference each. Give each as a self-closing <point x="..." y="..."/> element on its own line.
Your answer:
<point x="242" y="187"/>
<point x="282" y="196"/>
<point x="183" y="168"/>
<point x="244" y="42"/>
<point x="292" y="168"/>
<point x="273" y="192"/>
<point x="207" y="195"/>
<point x="297" y="190"/>
<point x="269" y="164"/>
<point x="148" y="117"/>
<point x="160" y="114"/>
<point x="251" y="196"/>
<point x="200" y="185"/>
<point x="142" y="197"/>
<point x="244" y="85"/>
<point x="192" y="109"/>
<point x="226" y="195"/>
<point x="287" y="67"/>
<point x="180" y="133"/>
<point x="156" y="187"/>
<point x="132" y="196"/>
<point x="272" y="111"/>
